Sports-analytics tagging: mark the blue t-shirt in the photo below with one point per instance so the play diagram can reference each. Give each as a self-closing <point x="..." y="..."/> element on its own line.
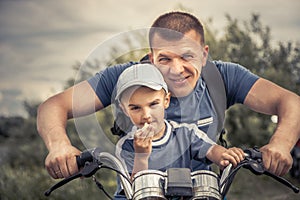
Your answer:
<point x="180" y="144"/>
<point x="195" y="108"/>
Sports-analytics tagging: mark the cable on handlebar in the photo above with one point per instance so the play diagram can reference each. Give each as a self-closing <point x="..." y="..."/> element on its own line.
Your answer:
<point x="119" y="172"/>
<point x="229" y="179"/>
<point x="100" y="186"/>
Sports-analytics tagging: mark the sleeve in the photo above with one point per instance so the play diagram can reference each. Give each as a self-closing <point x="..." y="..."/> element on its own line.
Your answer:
<point x="238" y="81"/>
<point x="125" y="153"/>
<point x="104" y="82"/>
<point x="200" y="144"/>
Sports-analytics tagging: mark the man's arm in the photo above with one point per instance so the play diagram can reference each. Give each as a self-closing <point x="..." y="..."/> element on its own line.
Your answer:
<point x="269" y="98"/>
<point x="52" y="117"/>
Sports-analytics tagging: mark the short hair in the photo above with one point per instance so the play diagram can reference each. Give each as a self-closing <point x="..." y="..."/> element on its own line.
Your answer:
<point x="174" y="25"/>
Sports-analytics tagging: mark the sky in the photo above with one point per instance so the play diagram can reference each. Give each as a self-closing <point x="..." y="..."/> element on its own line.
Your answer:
<point x="40" y="41"/>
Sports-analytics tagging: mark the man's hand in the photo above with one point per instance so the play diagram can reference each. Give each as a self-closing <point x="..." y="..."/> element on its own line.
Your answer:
<point x="277" y="159"/>
<point x="61" y="162"/>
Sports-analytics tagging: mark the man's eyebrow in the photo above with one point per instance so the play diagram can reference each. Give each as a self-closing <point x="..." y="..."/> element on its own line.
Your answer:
<point x="188" y="52"/>
<point x="162" y="55"/>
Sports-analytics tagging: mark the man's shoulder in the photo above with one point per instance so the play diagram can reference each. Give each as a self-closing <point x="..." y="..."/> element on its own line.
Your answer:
<point x="224" y="65"/>
<point x="119" y="68"/>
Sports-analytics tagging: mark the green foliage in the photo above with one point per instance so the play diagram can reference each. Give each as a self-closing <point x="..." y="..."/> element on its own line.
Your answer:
<point x="250" y="45"/>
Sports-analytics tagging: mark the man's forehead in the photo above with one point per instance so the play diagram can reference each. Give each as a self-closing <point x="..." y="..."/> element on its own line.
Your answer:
<point x="184" y="45"/>
<point x="191" y="38"/>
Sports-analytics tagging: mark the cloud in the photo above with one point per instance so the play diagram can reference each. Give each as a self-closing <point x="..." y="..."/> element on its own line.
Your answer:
<point x="41" y="40"/>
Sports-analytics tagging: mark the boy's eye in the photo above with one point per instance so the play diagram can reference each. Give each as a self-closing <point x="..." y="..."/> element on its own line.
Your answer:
<point x="134" y="107"/>
<point x="154" y="103"/>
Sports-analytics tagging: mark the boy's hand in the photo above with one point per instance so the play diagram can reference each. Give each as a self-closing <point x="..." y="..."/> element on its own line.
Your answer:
<point x="232" y="155"/>
<point x="145" y="132"/>
<point x="143" y="139"/>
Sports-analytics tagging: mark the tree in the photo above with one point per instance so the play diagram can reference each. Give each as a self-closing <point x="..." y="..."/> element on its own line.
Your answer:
<point x="250" y="45"/>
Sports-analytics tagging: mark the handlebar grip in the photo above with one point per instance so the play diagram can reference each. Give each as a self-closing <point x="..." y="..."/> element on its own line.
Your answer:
<point x="85" y="156"/>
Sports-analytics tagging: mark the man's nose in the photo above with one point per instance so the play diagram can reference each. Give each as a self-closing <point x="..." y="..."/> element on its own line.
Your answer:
<point x="177" y="66"/>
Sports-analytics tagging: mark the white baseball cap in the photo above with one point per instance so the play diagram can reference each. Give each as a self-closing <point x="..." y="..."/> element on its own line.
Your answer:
<point x="140" y="75"/>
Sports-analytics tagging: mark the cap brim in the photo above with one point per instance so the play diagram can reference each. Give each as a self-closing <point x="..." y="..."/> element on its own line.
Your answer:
<point x="153" y="86"/>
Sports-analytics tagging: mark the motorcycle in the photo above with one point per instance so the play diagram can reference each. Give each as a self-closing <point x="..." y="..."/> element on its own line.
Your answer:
<point x="173" y="184"/>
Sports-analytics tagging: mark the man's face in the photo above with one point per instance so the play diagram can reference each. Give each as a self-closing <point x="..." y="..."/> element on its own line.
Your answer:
<point x="180" y="61"/>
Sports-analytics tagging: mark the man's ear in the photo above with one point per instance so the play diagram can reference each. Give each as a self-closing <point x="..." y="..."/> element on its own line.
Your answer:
<point x="167" y="100"/>
<point x="151" y="57"/>
<point x="205" y="55"/>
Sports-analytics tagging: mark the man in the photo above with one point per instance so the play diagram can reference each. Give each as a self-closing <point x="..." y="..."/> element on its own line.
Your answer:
<point x="178" y="50"/>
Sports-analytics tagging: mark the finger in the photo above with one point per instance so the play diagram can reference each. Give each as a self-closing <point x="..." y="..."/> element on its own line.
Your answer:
<point x="285" y="170"/>
<point x="51" y="172"/>
<point x="147" y="140"/>
<point x="279" y="169"/>
<point x="283" y="166"/>
<point x="138" y="134"/>
<point x="241" y="154"/>
<point x="266" y="161"/>
<point x="52" y="169"/>
<point x="224" y="163"/>
<point x="236" y="154"/>
<point x="65" y="170"/>
<point x="230" y="159"/>
<point x="72" y="166"/>
<point x="57" y="173"/>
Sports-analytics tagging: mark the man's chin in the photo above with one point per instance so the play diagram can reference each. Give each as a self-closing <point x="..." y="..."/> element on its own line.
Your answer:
<point x="181" y="92"/>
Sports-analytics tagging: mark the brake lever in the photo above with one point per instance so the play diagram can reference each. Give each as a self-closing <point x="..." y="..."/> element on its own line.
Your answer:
<point x="256" y="166"/>
<point x="89" y="169"/>
<point x="61" y="183"/>
<point x="283" y="181"/>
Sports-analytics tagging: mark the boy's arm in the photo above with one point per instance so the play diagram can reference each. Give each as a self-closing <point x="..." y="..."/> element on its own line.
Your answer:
<point x="142" y="151"/>
<point x="222" y="156"/>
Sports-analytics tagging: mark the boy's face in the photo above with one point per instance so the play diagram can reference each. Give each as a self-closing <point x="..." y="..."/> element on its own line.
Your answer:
<point x="145" y="105"/>
<point x="180" y="61"/>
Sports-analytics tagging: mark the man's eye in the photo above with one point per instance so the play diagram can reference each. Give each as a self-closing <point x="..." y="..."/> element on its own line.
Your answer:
<point x="187" y="56"/>
<point x="164" y="59"/>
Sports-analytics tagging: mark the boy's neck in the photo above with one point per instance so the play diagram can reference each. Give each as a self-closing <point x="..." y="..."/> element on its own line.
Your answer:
<point x="160" y="134"/>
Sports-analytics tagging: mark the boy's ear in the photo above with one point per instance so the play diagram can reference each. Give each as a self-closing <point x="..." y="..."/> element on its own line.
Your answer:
<point x="167" y="100"/>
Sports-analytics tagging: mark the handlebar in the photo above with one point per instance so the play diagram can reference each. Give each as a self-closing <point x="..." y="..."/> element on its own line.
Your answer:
<point x="92" y="160"/>
<point x="253" y="161"/>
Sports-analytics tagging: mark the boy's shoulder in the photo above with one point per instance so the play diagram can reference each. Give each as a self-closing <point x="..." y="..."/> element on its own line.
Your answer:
<point x="186" y="127"/>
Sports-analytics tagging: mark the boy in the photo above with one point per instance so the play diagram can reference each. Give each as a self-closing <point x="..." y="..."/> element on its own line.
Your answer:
<point x="155" y="143"/>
